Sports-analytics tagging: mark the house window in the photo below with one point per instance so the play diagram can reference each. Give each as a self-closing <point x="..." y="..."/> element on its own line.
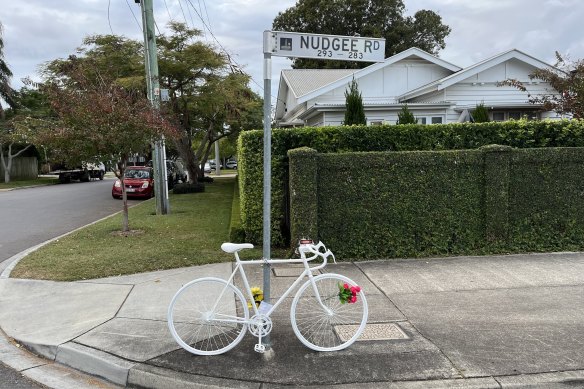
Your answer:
<point x="430" y="119"/>
<point x="514" y="115"/>
<point x="376" y="123"/>
<point x="498" y="116"/>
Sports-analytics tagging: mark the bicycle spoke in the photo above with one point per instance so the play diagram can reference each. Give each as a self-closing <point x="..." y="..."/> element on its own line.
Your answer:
<point x="315" y="318"/>
<point x="203" y="316"/>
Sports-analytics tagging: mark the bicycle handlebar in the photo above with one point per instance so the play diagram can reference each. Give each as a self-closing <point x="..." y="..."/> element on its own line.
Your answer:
<point x="318" y="249"/>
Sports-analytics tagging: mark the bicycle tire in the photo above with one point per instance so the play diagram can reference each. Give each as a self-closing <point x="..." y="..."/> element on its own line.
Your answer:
<point x="333" y="330"/>
<point x="208" y="316"/>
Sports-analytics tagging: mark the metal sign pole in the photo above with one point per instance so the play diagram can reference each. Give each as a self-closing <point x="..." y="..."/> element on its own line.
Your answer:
<point x="267" y="241"/>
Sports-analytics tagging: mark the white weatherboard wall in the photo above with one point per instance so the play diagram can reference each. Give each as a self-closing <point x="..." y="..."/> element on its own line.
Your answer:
<point x="384" y="85"/>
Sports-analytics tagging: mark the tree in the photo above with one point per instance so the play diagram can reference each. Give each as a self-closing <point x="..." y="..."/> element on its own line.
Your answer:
<point x="370" y="18"/>
<point x="6" y="91"/>
<point x="209" y="97"/>
<point x="354" y="111"/>
<point x="567" y="81"/>
<point x="99" y="120"/>
<point x="405" y="116"/>
<point x="480" y="114"/>
<point x="15" y="137"/>
<point x="208" y="94"/>
<point x="14" y="140"/>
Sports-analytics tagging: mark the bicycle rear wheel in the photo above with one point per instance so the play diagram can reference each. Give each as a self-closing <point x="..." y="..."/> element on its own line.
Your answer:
<point x="321" y="321"/>
<point x="208" y="316"/>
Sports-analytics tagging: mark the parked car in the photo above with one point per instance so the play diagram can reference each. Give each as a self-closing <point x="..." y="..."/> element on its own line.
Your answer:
<point x="139" y="182"/>
<point x="231" y="164"/>
<point x="207" y="168"/>
<point x="214" y="164"/>
<point x="181" y="172"/>
<point x="173" y="173"/>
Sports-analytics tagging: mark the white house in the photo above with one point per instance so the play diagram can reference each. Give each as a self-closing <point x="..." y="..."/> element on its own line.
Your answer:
<point x="435" y="91"/>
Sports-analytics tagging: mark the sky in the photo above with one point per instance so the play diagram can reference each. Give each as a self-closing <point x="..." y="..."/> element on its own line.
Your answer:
<point x="37" y="31"/>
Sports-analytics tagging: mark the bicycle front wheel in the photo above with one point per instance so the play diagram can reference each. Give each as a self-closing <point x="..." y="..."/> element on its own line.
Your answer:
<point x="208" y="316"/>
<point x="321" y="320"/>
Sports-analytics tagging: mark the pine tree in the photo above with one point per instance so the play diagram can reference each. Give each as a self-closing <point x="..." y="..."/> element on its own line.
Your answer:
<point x="354" y="111"/>
<point x="480" y="114"/>
<point x="406" y="116"/>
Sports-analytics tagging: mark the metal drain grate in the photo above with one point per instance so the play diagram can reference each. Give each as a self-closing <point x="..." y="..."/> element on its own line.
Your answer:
<point x="377" y="331"/>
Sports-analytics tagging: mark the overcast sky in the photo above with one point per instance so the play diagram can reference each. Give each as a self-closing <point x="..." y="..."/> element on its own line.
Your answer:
<point x="36" y="31"/>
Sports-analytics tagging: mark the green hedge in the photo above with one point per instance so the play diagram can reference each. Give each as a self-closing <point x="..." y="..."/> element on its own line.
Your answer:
<point x="424" y="203"/>
<point x="458" y="136"/>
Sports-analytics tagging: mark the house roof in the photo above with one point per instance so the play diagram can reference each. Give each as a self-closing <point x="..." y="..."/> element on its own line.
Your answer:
<point x="303" y="81"/>
<point x="309" y="83"/>
<point x="473" y="70"/>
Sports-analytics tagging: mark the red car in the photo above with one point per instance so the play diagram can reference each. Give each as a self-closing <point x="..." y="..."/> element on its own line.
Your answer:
<point x="139" y="182"/>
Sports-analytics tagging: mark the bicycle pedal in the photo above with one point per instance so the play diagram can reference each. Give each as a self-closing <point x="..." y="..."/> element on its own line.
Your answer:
<point x="260" y="348"/>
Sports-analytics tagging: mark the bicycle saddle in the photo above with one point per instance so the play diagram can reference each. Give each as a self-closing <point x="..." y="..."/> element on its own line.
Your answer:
<point x="235" y="247"/>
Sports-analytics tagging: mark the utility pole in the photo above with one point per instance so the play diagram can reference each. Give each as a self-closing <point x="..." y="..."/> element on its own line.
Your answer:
<point x="158" y="147"/>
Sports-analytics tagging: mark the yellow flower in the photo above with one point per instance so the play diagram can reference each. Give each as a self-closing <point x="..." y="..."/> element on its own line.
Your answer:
<point x="258" y="295"/>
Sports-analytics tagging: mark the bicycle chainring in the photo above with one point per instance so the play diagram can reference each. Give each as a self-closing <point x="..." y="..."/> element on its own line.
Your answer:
<point x="260" y="325"/>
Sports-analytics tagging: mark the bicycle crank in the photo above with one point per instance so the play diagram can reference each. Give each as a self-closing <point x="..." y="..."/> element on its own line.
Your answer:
<point x="260" y="326"/>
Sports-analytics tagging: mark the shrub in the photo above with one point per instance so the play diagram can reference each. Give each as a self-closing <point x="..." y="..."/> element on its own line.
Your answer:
<point x="480" y="114"/>
<point x="406" y="116"/>
<point x="354" y="110"/>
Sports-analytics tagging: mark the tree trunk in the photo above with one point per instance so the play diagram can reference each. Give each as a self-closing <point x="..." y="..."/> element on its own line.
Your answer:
<point x="204" y="159"/>
<point x="7" y="168"/>
<point x="125" y="216"/>
<point x="184" y="147"/>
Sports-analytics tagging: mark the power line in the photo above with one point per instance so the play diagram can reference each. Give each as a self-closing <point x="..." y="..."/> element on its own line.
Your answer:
<point x="183" y="12"/>
<point x="132" y="11"/>
<point x="191" y="16"/>
<point x="109" y="3"/>
<point x="168" y="11"/>
<point x="231" y="60"/>
<point x="207" y="13"/>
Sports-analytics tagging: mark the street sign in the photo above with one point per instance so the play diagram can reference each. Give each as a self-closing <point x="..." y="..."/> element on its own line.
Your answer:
<point x="339" y="47"/>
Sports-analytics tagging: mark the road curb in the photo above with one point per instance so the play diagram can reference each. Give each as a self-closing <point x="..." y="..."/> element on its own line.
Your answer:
<point x="94" y="362"/>
<point x="151" y="377"/>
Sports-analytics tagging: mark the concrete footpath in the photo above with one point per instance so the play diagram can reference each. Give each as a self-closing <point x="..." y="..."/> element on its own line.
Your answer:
<point x="514" y="321"/>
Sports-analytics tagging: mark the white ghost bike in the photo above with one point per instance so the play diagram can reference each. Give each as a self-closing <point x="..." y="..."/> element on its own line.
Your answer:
<point x="209" y="316"/>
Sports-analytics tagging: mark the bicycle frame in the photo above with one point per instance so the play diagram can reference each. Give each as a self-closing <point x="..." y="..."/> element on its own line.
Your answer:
<point x="306" y="273"/>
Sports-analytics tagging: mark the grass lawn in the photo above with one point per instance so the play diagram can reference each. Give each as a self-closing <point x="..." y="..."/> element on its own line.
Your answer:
<point x="191" y="235"/>
<point x="22" y="183"/>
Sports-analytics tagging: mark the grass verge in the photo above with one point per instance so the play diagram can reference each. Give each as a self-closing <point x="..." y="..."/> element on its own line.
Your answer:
<point x="23" y="183"/>
<point x="191" y="235"/>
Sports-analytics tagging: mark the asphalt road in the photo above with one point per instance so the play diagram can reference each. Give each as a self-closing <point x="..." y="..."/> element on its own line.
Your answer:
<point x="33" y="215"/>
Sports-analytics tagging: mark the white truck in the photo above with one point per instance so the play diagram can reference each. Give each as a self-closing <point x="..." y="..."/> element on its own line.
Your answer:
<point x="81" y="173"/>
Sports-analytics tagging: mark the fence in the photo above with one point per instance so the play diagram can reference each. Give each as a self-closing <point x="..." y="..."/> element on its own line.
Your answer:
<point x="23" y="168"/>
